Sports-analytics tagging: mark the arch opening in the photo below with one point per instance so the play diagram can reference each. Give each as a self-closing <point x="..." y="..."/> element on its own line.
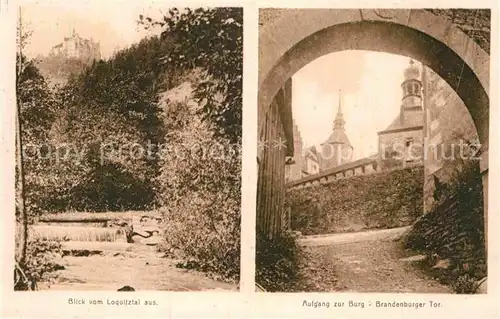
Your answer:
<point x="390" y="38"/>
<point x="290" y="39"/>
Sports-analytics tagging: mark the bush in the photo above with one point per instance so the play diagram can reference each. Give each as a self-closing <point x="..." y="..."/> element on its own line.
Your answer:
<point x="42" y="258"/>
<point x="383" y="200"/>
<point x="278" y="262"/>
<point x="465" y="284"/>
<point x="454" y="229"/>
<point x="200" y="196"/>
<point x="199" y="188"/>
<point x="205" y="235"/>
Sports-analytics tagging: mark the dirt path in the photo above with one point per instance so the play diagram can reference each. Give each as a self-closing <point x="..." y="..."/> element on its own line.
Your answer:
<point x="346" y="238"/>
<point x="362" y="262"/>
<point x="142" y="268"/>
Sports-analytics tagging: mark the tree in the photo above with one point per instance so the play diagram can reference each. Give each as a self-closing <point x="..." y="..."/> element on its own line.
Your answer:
<point x="110" y="114"/>
<point x="34" y="116"/>
<point x="24" y="73"/>
<point x="199" y="190"/>
<point x="200" y="172"/>
<point x="21" y="208"/>
<point x="212" y="40"/>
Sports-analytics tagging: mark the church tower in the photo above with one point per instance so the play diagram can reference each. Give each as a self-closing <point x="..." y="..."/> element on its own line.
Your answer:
<point x="339" y="123"/>
<point x="337" y="149"/>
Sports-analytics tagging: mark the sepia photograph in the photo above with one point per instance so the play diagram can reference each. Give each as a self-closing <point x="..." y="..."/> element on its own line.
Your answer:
<point x="373" y="138"/>
<point x="250" y="159"/>
<point x="128" y="147"/>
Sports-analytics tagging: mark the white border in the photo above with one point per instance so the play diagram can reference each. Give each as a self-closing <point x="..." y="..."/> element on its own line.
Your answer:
<point x="245" y="304"/>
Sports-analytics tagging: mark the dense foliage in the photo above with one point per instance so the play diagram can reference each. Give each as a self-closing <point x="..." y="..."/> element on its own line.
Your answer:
<point x="37" y="111"/>
<point x="200" y="168"/>
<point x="454" y="229"/>
<point x="199" y="187"/>
<point x="112" y="142"/>
<point x="278" y="262"/>
<point x="211" y="40"/>
<point x="93" y="134"/>
<point x="43" y="258"/>
<point x="111" y="116"/>
<point x="383" y="200"/>
<point x="58" y="69"/>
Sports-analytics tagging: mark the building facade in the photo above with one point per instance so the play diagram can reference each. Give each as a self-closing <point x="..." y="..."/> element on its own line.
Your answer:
<point x="310" y="160"/>
<point x="305" y="161"/>
<point x="293" y="171"/>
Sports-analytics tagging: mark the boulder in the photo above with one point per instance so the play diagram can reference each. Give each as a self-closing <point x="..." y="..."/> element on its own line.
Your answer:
<point x="136" y="239"/>
<point x="141" y="232"/>
<point x="151" y="241"/>
<point x="151" y="229"/>
<point x="442" y="264"/>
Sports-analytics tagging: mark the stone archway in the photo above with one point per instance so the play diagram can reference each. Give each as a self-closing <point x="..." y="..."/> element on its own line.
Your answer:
<point x="291" y="38"/>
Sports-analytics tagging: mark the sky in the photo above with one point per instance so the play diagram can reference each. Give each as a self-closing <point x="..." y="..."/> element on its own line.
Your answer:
<point x="112" y="28"/>
<point x="370" y="84"/>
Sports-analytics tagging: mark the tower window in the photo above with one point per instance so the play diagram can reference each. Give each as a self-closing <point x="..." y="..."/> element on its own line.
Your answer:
<point x="415" y="88"/>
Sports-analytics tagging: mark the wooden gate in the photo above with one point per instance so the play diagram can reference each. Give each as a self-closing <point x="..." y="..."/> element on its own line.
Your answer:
<point x="275" y="147"/>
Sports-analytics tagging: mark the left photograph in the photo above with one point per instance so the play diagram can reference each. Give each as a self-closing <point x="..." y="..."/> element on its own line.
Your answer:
<point x="128" y="148"/>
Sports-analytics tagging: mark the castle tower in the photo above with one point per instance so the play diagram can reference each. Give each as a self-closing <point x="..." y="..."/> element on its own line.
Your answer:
<point x="411" y="103"/>
<point x="337" y="149"/>
<point x="412" y="89"/>
<point x="402" y="140"/>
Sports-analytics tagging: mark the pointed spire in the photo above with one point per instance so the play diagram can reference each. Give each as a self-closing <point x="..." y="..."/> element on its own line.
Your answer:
<point x="339" y="118"/>
<point x="339" y="110"/>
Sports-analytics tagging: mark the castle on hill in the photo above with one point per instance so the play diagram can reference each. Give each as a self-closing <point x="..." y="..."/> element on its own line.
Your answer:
<point x="76" y="47"/>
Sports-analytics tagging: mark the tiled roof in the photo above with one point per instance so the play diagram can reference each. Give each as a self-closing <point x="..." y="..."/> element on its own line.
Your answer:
<point x="338" y="137"/>
<point x="411" y="119"/>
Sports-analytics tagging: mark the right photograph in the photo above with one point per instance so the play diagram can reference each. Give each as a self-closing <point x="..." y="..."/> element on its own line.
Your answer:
<point x="373" y="128"/>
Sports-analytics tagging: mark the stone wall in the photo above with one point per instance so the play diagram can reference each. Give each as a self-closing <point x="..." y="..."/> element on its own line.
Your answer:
<point x="453" y="231"/>
<point x="448" y="123"/>
<point x="377" y="201"/>
<point x="395" y="142"/>
<point x="362" y="166"/>
<point x="476" y="23"/>
<point x="443" y="40"/>
<point x="140" y="227"/>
